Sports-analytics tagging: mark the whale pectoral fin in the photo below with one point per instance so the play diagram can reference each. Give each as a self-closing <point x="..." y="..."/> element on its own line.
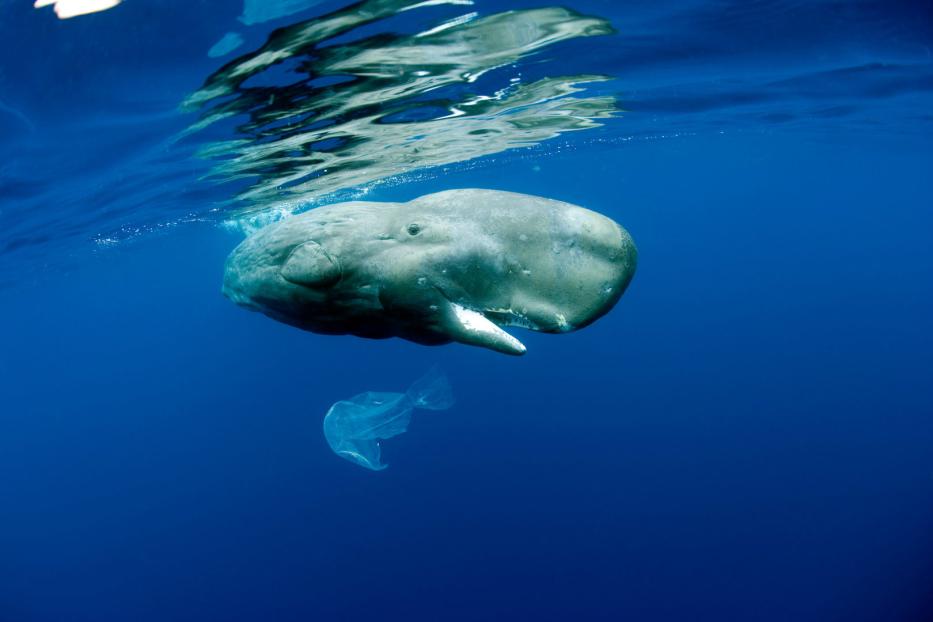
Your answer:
<point x="474" y="328"/>
<point x="310" y="265"/>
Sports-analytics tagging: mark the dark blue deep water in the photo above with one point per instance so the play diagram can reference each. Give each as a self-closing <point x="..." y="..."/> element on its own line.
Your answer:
<point x="747" y="436"/>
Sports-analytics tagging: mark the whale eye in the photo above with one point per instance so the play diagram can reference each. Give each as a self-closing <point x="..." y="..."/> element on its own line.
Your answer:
<point x="414" y="229"/>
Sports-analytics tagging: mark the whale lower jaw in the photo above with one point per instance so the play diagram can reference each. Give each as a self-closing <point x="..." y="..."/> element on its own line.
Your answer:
<point x="473" y="328"/>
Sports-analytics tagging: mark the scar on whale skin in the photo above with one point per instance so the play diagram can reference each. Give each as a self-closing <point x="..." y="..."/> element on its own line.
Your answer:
<point x="454" y="266"/>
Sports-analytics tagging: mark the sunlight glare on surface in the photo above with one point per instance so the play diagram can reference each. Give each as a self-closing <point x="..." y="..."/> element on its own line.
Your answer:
<point x="72" y="8"/>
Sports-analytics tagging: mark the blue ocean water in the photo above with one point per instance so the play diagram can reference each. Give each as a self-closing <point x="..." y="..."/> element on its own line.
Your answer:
<point x="746" y="436"/>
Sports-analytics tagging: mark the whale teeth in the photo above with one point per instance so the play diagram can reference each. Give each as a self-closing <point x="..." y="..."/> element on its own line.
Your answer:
<point x="474" y="328"/>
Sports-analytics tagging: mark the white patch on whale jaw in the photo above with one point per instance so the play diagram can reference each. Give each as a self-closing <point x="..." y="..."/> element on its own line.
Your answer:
<point x="482" y="329"/>
<point x="562" y="323"/>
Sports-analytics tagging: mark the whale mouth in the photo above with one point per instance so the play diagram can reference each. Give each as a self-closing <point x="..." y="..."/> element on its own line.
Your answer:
<point x="472" y="327"/>
<point x="511" y="317"/>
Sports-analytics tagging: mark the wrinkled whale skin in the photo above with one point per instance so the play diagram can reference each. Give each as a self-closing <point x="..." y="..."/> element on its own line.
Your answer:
<point x="450" y="266"/>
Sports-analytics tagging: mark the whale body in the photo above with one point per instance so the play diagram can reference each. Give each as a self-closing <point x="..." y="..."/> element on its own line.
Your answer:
<point x="453" y="266"/>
